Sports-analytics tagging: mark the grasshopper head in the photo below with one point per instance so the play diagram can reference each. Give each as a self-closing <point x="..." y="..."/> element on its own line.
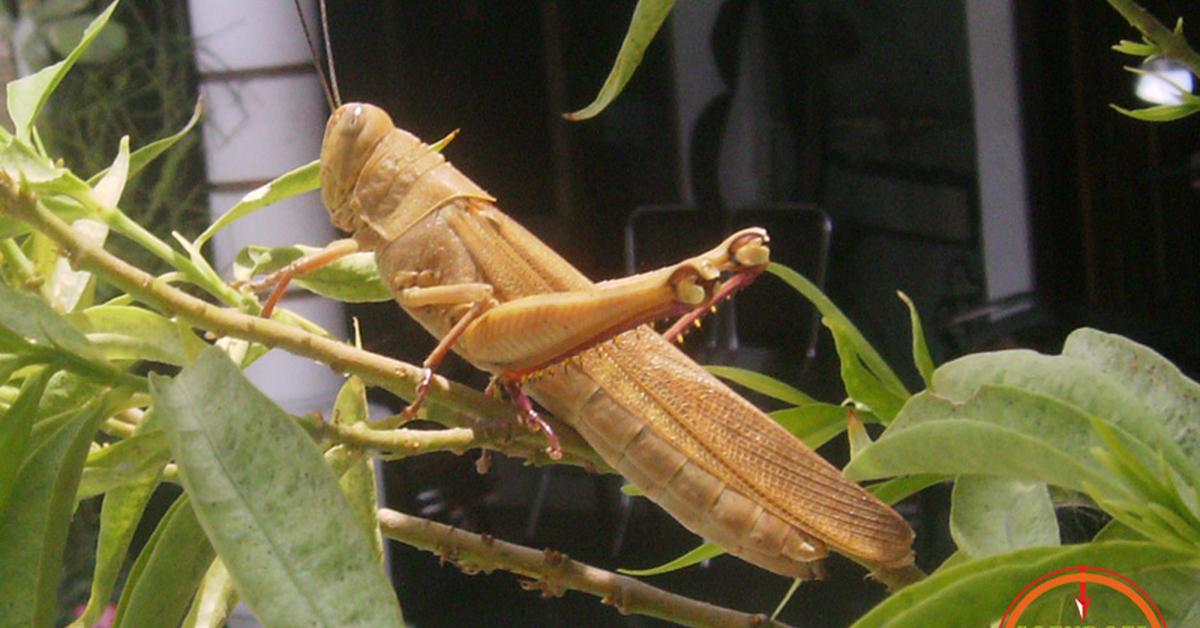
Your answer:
<point x="350" y="137"/>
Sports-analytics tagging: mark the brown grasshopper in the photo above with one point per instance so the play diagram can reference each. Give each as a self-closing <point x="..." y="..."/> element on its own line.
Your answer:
<point x="510" y="305"/>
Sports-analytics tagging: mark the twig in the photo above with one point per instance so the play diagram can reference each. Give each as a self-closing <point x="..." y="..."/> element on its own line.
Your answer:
<point x="405" y="442"/>
<point x="449" y="403"/>
<point x="553" y="573"/>
<point x="1171" y="45"/>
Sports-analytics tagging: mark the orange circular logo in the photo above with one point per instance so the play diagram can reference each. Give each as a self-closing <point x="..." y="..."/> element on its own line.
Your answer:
<point x="1082" y="577"/>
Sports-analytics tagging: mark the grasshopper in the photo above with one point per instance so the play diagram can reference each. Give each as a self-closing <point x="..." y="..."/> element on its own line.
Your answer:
<point x="510" y="305"/>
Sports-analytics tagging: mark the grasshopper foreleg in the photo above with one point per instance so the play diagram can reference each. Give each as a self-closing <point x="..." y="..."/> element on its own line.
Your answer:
<point x="278" y="281"/>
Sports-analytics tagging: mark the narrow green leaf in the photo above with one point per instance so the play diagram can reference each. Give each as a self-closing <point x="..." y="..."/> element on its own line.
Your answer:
<point x="107" y="191"/>
<point x="359" y="485"/>
<point x="921" y="357"/>
<point x="306" y="178"/>
<point x="976" y="593"/>
<point x="762" y="384"/>
<point x="16" y="426"/>
<point x="814" y="423"/>
<point x="255" y="479"/>
<point x="632" y="490"/>
<point x="862" y="385"/>
<point x="358" y="482"/>
<point x="53" y="9"/>
<point x="129" y="461"/>
<point x="991" y="515"/>
<point x="893" y="490"/>
<point x="62" y="35"/>
<point x="698" y="555"/>
<point x="350" y="407"/>
<point x="145" y="155"/>
<point x="124" y="332"/>
<point x="119" y="517"/>
<point x="214" y="599"/>
<point x="1149" y="377"/>
<point x="167" y="572"/>
<point x="27" y="96"/>
<point x="1136" y="49"/>
<point x="648" y="17"/>
<point x="21" y="162"/>
<point x="856" y="432"/>
<point x="351" y="279"/>
<point x="31" y="318"/>
<point x="828" y="310"/>
<point x="35" y="523"/>
<point x="1160" y="113"/>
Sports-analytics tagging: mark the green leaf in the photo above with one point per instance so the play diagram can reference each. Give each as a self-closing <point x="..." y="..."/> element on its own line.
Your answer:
<point x="32" y="319"/>
<point x="16" y="426"/>
<point x="27" y="96"/>
<point x="69" y="288"/>
<point x="814" y="423"/>
<point x="167" y="572"/>
<point x="1152" y="379"/>
<point x="129" y="461"/>
<point x="762" y="384"/>
<point x="896" y="489"/>
<point x="64" y="34"/>
<point x="991" y="515"/>
<point x="214" y="599"/>
<point x="351" y="279"/>
<point x="119" y="517"/>
<point x="358" y="482"/>
<point x="254" y="476"/>
<point x="857" y="434"/>
<point x="1136" y="49"/>
<point x="1160" y="113"/>
<point x="34" y="533"/>
<point x="21" y="162"/>
<point x="306" y="178"/>
<point x="145" y="155"/>
<point x="977" y="592"/>
<point x="1080" y="383"/>
<point x="632" y="490"/>
<point x="698" y="555"/>
<point x="648" y="17"/>
<point x="1000" y="431"/>
<point x="828" y="310"/>
<point x="862" y="385"/>
<point x="921" y="358"/>
<point x="124" y="332"/>
<point x="54" y="9"/>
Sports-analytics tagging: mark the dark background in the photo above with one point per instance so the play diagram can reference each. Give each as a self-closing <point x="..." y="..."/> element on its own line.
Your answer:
<point x="874" y="101"/>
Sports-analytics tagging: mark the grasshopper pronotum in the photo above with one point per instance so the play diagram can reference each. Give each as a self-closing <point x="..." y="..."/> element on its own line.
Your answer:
<point x="507" y="303"/>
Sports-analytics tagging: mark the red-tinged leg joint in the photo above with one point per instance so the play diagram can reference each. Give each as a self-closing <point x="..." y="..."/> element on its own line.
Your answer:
<point x="410" y="411"/>
<point x="532" y="420"/>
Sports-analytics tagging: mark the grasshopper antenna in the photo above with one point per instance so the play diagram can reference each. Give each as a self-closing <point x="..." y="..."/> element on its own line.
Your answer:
<point x="332" y="97"/>
<point x="337" y="96"/>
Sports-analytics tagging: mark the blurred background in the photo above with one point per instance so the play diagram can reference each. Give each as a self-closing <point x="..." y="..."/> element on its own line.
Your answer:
<point x="962" y="151"/>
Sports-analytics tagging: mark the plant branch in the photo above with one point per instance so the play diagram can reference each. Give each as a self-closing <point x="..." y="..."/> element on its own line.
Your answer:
<point x="449" y="403"/>
<point x="1171" y="44"/>
<point x="553" y="573"/>
<point x="403" y="442"/>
